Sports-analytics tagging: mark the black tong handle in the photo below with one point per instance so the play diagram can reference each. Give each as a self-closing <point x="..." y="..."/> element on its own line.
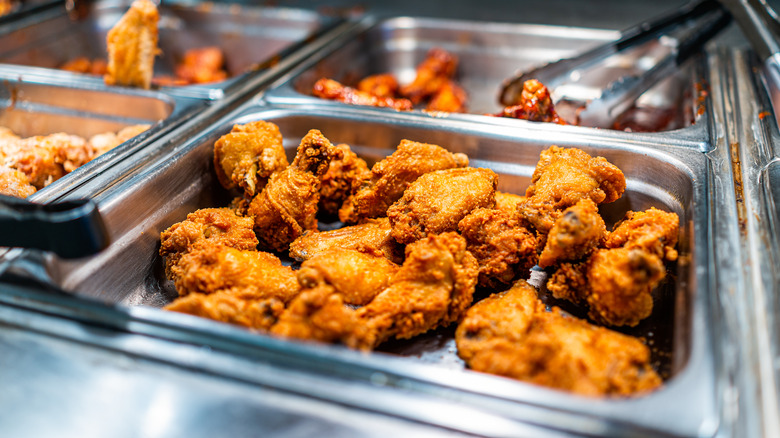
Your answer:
<point x="70" y="229"/>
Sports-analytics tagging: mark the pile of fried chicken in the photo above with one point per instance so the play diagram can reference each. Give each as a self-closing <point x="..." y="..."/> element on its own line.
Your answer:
<point x="30" y="164"/>
<point x="422" y="231"/>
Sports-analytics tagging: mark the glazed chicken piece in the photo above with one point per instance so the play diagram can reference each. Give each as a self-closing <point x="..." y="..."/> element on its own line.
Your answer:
<point x="202" y="66"/>
<point x="132" y="46"/>
<point x="512" y="334"/>
<point x="287" y="206"/>
<point x="438" y="200"/>
<point x="372" y="237"/>
<point x="97" y="67"/>
<point x="217" y="226"/>
<point x="15" y="183"/>
<point x="381" y="85"/>
<point x="226" y="307"/>
<point x="391" y="176"/>
<point x="617" y="282"/>
<point x="255" y="275"/>
<point x="535" y="105"/>
<point x="450" y="98"/>
<point x="343" y="177"/>
<point x="504" y="249"/>
<point x="438" y="67"/>
<point x="561" y="179"/>
<point x="575" y="234"/>
<point x="248" y="155"/>
<point x="6" y="6"/>
<point x="333" y="90"/>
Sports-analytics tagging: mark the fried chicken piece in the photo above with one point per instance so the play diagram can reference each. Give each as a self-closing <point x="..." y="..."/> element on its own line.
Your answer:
<point x="372" y="237"/>
<point x="332" y="90"/>
<point x="255" y="275"/>
<point x="653" y="230"/>
<point x="15" y="183"/>
<point x="512" y="334"/>
<point x="248" y="155"/>
<point x="217" y="226"/>
<point x="561" y="179"/>
<point x="358" y="276"/>
<point x="132" y="46"/>
<point x="287" y="206"/>
<point x="504" y="249"/>
<point x="438" y="200"/>
<point x="343" y="178"/>
<point x="202" y="66"/>
<point x="82" y="64"/>
<point x="42" y="158"/>
<point x="6" y="6"/>
<point x="433" y="73"/>
<point x="391" y="176"/>
<point x="102" y="143"/>
<point x="535" y="105"/>
<point x="451" y="98"/>
<point x="575" y="234"/>
<point x="508" y="201"/>
<point x="433" y="288"/>
<point x="381" y="85"/>
<point x="226" y="307"/>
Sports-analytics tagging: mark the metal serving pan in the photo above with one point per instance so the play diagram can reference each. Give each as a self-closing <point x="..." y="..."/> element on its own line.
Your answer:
<point x="251" y="37"/>
<point x="488" y="54"/>
<point x="128" y="276"/>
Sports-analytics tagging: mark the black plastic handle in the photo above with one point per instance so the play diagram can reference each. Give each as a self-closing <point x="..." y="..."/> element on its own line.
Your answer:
<point x="70" y="229"/>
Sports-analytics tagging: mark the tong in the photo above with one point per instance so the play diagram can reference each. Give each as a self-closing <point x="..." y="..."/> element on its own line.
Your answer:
<point x="70" y="229"/>
<point x="695" y="24"/>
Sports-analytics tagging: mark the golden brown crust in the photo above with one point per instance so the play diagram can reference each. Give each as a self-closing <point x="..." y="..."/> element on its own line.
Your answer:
<point x="226" y="307"/>
<point x="372" y="236"/>
<point x="342" y="179"/>
<point x="132" y="46"/>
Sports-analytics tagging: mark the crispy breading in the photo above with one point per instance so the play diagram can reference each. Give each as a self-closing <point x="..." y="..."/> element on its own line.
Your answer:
<point x="132" y="46"/>
<point x="372" y="236"/>
<point x="229" y="308"/>
<point x="574" y="235"/>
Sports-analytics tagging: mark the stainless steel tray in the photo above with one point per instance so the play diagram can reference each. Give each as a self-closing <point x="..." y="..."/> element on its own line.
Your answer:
<point x="251" y="37"/>
<point x="128" y="275"/>
<point x="488" y="54"/>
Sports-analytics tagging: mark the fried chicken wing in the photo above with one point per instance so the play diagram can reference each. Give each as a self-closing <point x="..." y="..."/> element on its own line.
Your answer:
<point x="438" y="67"/>
<point x="287" y="206"/>
<point x="229" y="308"/>
<point x="512" y="334"/>
<point x="255" y="275"/>
<point x="373" y="237"/>
<point x="508" y="201"/>
<point x="438" y="200"/>
<point x="132" y="46"/>
<point x="391" y="176"/>
<point x="343" y="178"/>
<point x="564" y="176"/>
<point x="248" y="155"/>
<point x="202" y="65"/>
<point x="15" y="183"/>
<point x="217" y="226"/>
<point x="381" y="85"/>
<point x="653" y="230"/>
<point x="535" y="105"/>
<point x="333" y="90"/>
<point x="575" y="234"/>
<point x="451" y="98"/>
<point x="504" y="249"/>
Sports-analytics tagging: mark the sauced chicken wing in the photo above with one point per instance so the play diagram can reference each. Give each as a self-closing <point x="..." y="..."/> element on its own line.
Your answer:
<point x="333" y="90"/>
<point x="438" y="200"/>
<point x="132" y="46"/>
<point x="82" y="64"/>
<point x="287" y="206"/>
<point x="438" y="67"/>
<point x="343" y="177"/>
<point x="373" y="237"/>
<point x="202" y="65"/>
<point x="248" y="155"/>
<point x="451" y="97"/>
<point x="535" y="105"/>
<point x="249" y="274"/>
<point x="15" y="183"/>
<point x="512" y="334"/>
<point x="217" y="226"/>
<point x="358" y="276"/>
<point x="564" y="176"/>
<point x="504" y="249"/>
<point x="229" y="308"/>
<point x="391" y="176"/>
<point x="381" y="85"/>
<point x="576" y="233"/>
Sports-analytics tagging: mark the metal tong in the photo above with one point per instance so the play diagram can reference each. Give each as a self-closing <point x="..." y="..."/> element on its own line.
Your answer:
<point x="693" y="25"/>
<point x="70" y="229"/>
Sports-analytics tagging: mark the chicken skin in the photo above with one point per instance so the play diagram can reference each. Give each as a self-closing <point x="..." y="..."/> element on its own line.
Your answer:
<point x="372" y="237"/>
<point x="333" y="90"/>
<point x="575" y="234"/>
<point x="438" y="200"/>
<point x="248" y="155"/>
<point x="226" y="307"/>
<point x="132" y="46"/>
<point x="249" y="274"/>
<point x="512" y="334"/>
<point x="343" y="178"/>
<point x="535" y="105"/>
<point x="287" y="206"/>
<point x="438" y="67"/>
<point x="504" y="249"/>
<point x="391" y="176"/>
<point x="217" y="226"/>
<point x="563" y="177"/>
